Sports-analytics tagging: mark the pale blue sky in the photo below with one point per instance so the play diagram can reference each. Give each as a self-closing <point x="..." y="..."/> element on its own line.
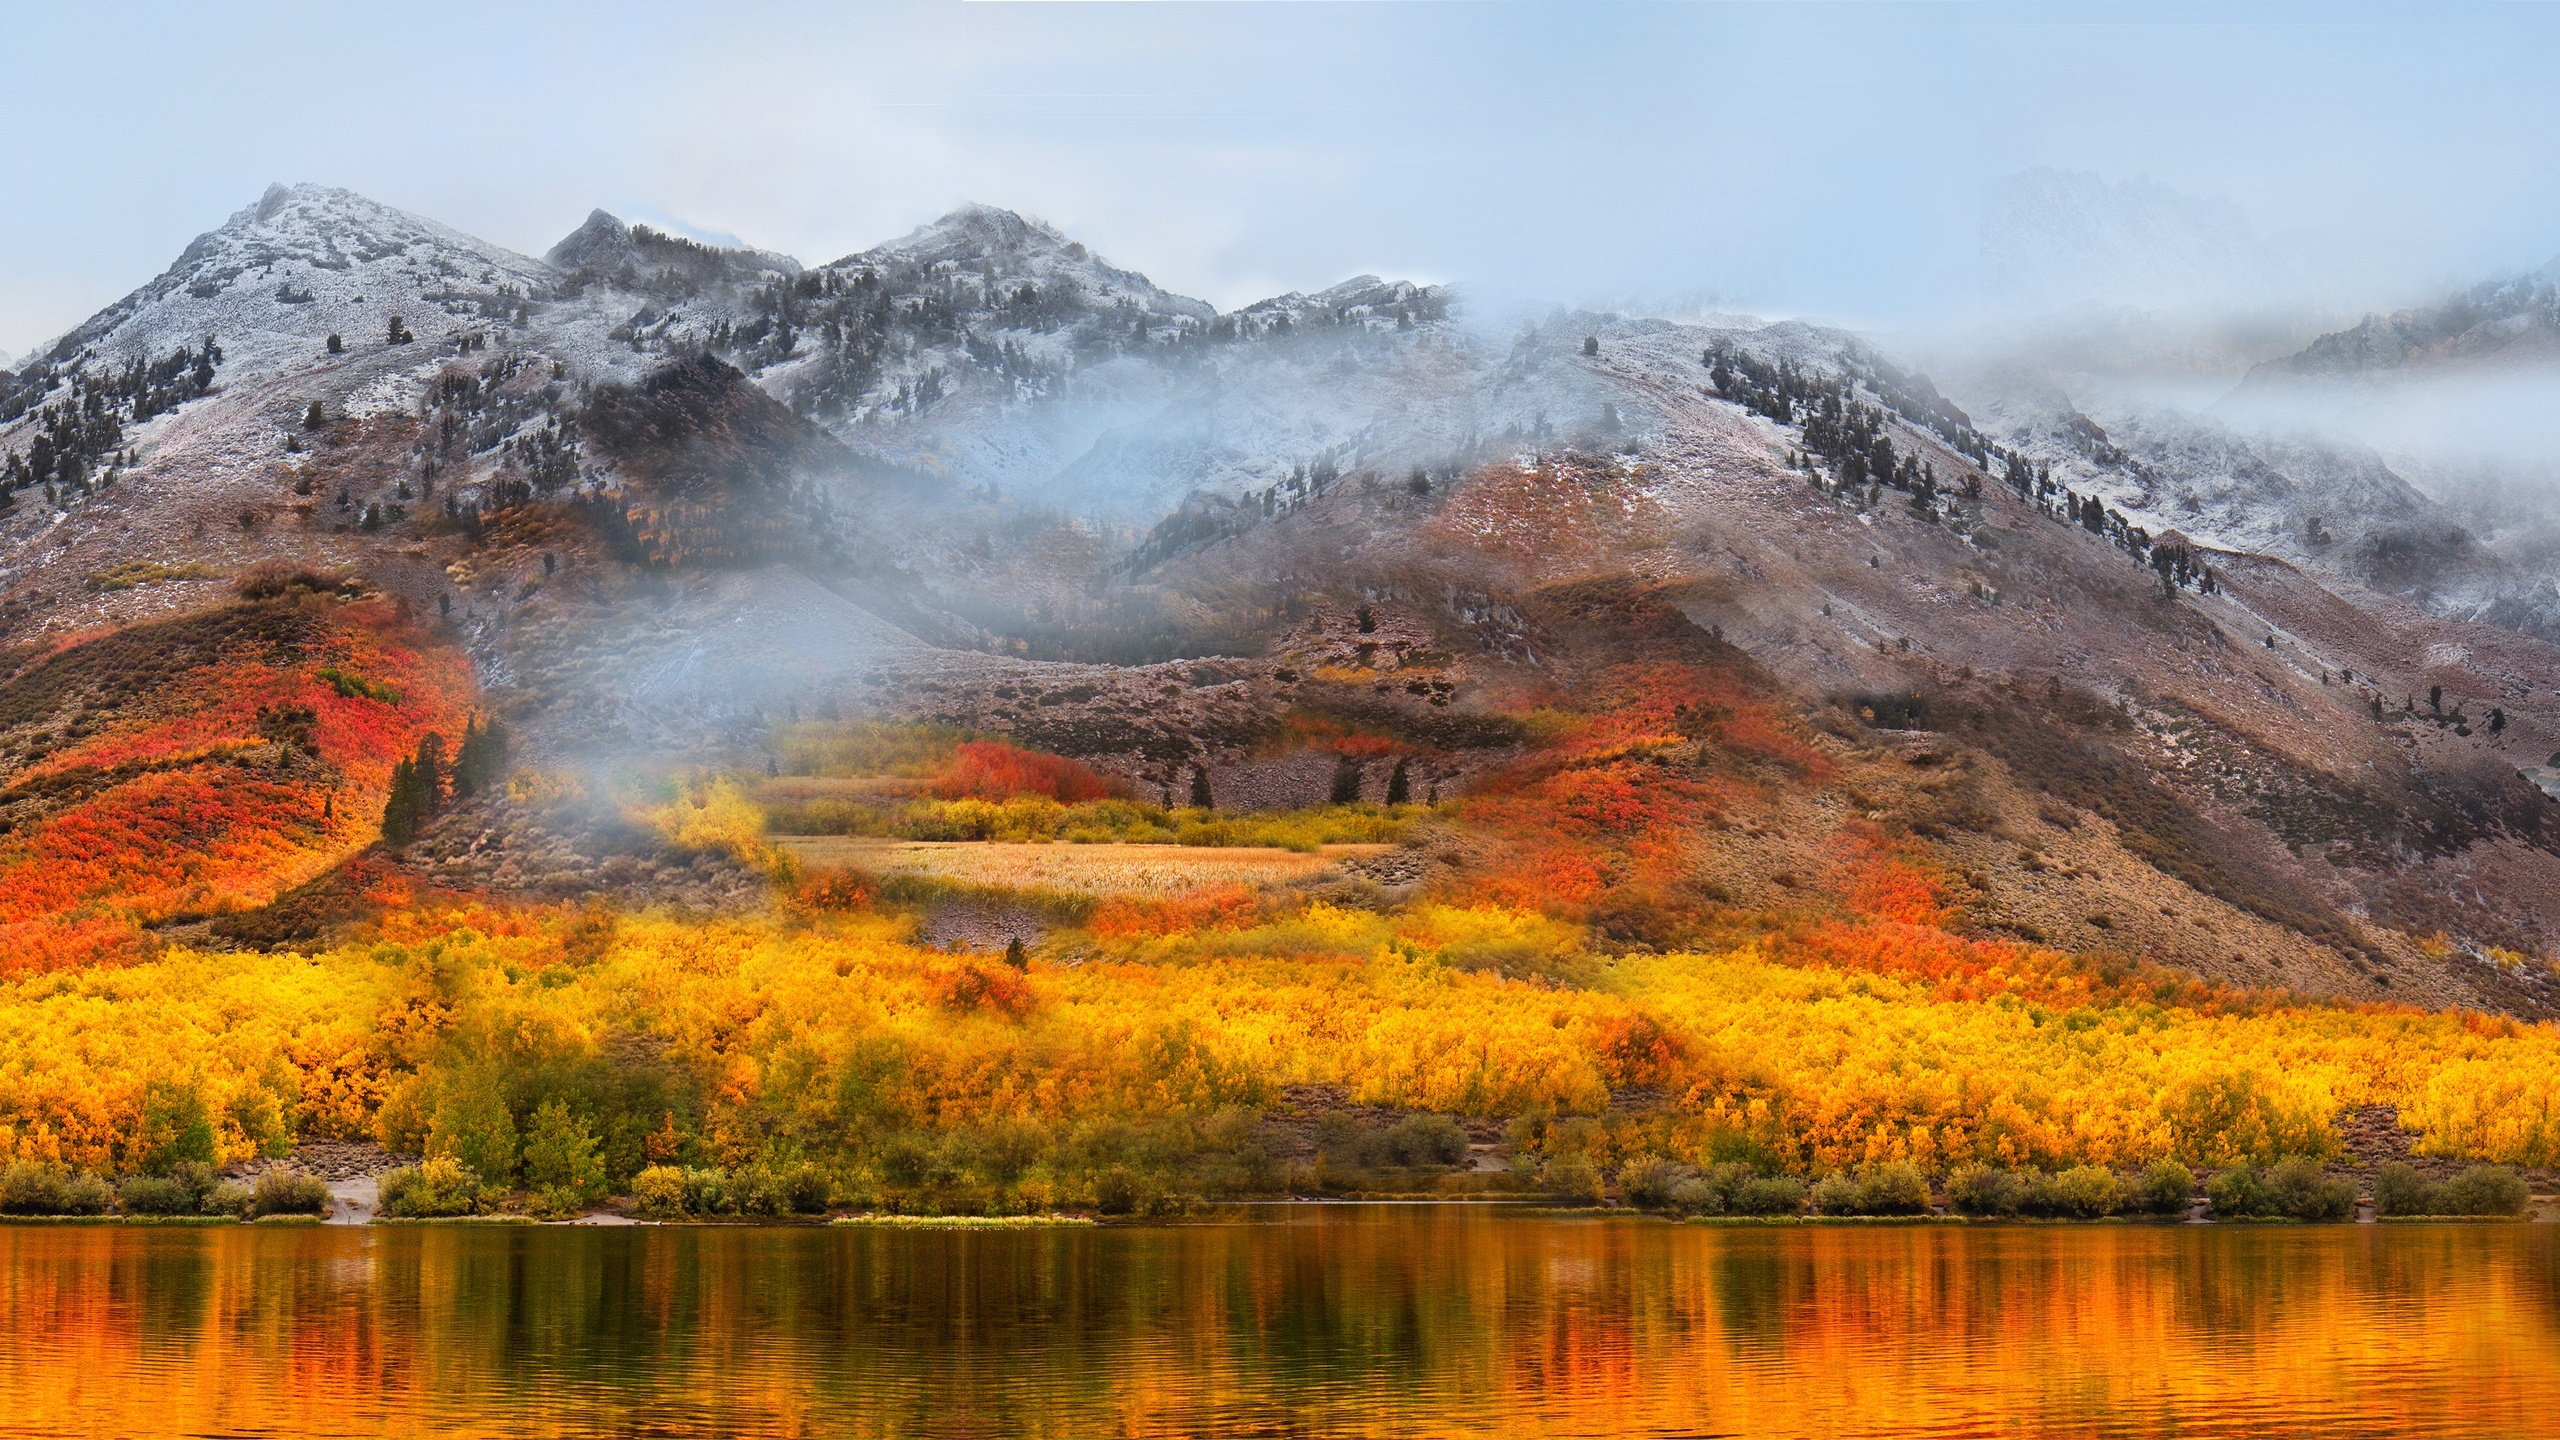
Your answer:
<point x="1828" y="158"/>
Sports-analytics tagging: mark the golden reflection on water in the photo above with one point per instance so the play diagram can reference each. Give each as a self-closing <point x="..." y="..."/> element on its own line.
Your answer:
<point x="1314" y="1321"/>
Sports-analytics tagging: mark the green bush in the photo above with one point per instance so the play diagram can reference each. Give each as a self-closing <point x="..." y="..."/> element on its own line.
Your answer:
<point x="2167" y="1188"/>
<point x="1837" y="1195"/>
<point x="1980" y="1190"/>
<point x="1649" y="1184"/>
<point x="2398" y="1189"/>
<point x="2238" y="1193"/>
<point x="1768" y="1195"/>
<point x="1412" y="1141"/>
<point x="437" y="1186"/>
<point x="707" y="1191"/>
<point x="155" y="1195"/>
<point x="472" y="1127"/>
<point x="2296" y="1188"/>
<point x="1427" y="1140"/>
<point x="2304" y="1193"/>
<point x="2083" y="1192"/>
<point x="785" y="1190"/>
<point x="1572" y="1179"/>
<point x="1697" y="1195"/>
<point x="1890" y="1188"/>
<point x="191" y="1187"/>
<point x="1893" y="1187"/>
<point x="176" y="1128"/>
<point x="658" y="1192"/>
<point x="2486" y="1190"/>
<point x="563" y="1161"/>
<point x="1118" y="1191"/>
<point x="28" y="1188"/>
<point x="288" y="1192"/>
<point x="1716" y="1190"/>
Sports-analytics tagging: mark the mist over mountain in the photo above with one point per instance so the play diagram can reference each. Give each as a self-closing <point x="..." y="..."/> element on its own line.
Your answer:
<point x="661" y="493"/>
<point x="2058" y="240"/>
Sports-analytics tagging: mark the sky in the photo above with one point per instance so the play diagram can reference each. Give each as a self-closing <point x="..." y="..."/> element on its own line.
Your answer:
<point x="1822" y="159"/>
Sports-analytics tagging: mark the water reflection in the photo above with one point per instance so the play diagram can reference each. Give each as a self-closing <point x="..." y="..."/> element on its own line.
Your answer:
<point x="1314" y="1321"/>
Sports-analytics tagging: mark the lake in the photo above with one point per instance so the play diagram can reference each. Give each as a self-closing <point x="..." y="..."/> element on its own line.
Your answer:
<point x="1314" y="1320"/>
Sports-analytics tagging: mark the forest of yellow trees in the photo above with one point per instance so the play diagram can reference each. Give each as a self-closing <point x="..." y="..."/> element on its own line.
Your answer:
<point x="818" y="1034"/>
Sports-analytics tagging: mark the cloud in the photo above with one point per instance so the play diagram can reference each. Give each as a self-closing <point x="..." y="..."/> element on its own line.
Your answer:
<point x="1831" y="159"/>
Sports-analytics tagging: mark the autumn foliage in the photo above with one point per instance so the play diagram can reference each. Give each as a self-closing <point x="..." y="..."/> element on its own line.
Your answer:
<point x="243" y="772"/>
<point x="994" y="770"/>
<point x="1571" y="959"/>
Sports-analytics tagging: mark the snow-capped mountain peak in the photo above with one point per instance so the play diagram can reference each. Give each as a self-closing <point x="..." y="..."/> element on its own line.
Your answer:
<point x="1004" y="251"/>
<point x="306" y="259"/>
<point x="603" y="235"/>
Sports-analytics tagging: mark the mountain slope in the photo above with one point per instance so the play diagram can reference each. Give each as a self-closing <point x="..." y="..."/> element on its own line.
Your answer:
<point x="662" y="495"/>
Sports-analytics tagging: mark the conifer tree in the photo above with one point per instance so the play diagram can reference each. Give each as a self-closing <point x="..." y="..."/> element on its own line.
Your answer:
<point x="401" y="811"/>
<point x="1346" y="782"/>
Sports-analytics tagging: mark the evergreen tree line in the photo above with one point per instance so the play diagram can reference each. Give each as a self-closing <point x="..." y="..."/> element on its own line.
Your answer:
<point x="853" y="323"/>
<point x="82" y="433"/>
<point x="423" y="784"/>
<point x="1847" y="433"/>
<point x="1839" y="428"/>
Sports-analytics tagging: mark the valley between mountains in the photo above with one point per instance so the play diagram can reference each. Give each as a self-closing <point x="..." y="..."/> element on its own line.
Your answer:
<point x="966" y="725"/>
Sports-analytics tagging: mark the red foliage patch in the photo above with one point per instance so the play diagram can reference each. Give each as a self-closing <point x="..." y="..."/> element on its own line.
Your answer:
<point x="1222" y="907"/>
<point x="994" y="770"/>
<point x="242" y="778"/>
<point x="1619" y="800"/>
<point x="835" y="887"/>
<point x="965" y="989"/>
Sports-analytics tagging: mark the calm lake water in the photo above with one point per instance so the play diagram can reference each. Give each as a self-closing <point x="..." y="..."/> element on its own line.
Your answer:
<point x="1303" y="1321"/>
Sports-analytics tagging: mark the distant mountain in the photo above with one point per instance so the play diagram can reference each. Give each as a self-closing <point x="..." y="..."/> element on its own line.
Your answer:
<point x="2060" y="240"/>
<point x="2509" y="322"/>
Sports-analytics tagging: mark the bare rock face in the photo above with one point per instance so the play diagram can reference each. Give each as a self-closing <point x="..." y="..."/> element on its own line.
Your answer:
<point x="600" y="243"/>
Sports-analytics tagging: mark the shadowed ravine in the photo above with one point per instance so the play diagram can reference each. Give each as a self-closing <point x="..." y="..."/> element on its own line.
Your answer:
<point x="1319" y="1321"/>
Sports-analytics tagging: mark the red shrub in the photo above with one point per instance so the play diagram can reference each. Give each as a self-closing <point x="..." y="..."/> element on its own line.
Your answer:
<point x="836" y="887"/>
<point x="971" y="987"/>
<point x="992" y="770"/>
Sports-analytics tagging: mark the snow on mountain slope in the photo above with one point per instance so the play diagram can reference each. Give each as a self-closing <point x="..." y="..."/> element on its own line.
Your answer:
<point x="991" y="349"/>
<point x="2503" y="322"/>
<point x="303" y="263"/>
<point x="986" y="348"/>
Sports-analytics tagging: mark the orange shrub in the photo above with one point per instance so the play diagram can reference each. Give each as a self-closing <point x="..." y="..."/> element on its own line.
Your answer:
<point x="992" y="770"/>
<point x="835" y="887"/>
<point x="1215" y="907"/>
<point x="968" y="988"/>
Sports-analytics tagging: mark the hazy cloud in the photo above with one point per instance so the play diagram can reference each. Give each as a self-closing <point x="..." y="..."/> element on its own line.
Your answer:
<point x="1828" y="158"/>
